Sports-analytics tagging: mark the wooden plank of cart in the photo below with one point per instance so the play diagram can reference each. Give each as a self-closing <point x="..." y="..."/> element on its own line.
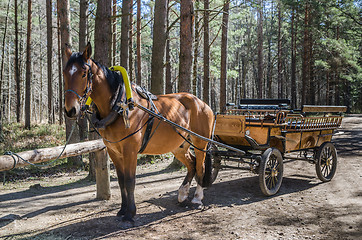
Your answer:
<point x="270" y="132"/>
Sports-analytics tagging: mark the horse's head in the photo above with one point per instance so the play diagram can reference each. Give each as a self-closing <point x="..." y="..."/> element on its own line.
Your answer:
<point x="77" y="80"/>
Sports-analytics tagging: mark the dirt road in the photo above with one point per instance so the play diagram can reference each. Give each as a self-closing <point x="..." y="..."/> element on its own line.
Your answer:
<point x="64" y="206"/>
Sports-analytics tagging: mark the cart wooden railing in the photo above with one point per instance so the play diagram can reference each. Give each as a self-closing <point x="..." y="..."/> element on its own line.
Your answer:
<point x="301" y="123"/>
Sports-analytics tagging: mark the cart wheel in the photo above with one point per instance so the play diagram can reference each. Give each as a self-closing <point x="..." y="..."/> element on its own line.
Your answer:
<point x="212" y="166"/>
<point x="326" y="162"/>
<point x="271" y="171"/>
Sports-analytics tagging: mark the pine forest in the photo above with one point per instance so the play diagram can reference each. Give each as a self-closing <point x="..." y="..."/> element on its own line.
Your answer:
<point x="220" y="50"/>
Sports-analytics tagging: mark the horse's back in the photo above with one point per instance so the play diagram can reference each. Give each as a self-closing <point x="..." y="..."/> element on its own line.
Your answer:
<point x="200" y="116"/>
<point x="188" y="100"/>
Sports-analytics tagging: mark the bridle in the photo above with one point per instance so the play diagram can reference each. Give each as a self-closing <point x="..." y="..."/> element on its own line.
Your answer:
<point x="88" y="90"/>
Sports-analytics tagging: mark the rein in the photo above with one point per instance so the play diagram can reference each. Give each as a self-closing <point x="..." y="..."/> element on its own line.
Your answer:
<point x="129" y="135"/>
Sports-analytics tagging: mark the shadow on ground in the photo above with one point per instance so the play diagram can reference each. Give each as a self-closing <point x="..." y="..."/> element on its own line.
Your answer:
<point x="241" y="191"/>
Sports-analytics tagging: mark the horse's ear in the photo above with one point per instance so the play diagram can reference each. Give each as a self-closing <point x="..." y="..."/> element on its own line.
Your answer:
<point x="67" y="51"/>
<point x="87" y="52"/>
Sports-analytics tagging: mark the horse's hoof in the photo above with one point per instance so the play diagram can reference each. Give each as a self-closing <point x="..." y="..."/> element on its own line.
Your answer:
<point x="121" y="212"/>
<point x="183" y="193"/>
<point x="182" y="199"/>
<point x="128" y="219"/>
<point x="185" y="204"/>
<point x="198" y="206"/>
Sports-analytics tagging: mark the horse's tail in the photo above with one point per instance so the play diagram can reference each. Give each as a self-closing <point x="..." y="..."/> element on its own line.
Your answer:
<point x="207" y="181"/>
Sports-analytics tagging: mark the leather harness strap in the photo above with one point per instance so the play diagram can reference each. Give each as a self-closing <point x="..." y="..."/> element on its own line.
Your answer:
<point x="147" y="136"/>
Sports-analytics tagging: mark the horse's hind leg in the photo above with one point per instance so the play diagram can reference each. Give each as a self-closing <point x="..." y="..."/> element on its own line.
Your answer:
<point x="183" y="155"/>
<point x="200" y="170"/>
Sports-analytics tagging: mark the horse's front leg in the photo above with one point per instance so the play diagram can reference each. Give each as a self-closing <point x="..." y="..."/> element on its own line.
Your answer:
<point x="127" y="184"/>
<point x="120" y="175"/>
<point x="126" y="163"/>
<point x="129" y="166"/>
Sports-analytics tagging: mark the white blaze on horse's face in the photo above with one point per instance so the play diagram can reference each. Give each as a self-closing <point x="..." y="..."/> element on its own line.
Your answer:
<point x="73" y="70"/>
<point x="71" y="97"/>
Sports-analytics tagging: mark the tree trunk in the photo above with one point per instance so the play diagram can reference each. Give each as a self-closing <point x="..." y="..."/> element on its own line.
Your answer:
<point x="312" y="90"/>
<point x="28" y="70"/>
<point x="306" y="57"/>
<point x="139" y="67"/>
<point x="158" y="47"/>
<point x="9" y="87"/>
<point x="60" y="82"/>
<point x="260" y="50"/>
<point x="49" y="59"/>
<point x="223" y="64"/>
<point x="102" y="34"/>
<point x="17" y="69"/>
<point x="130" y="46"/>
<point x="40" y="96"/>
<point x="83" y="24"/>
<point x="269" y="80"/>
<point x="83" y="35"/>
<point x="186" y="30"/>
<point x="102" y="53"/>
<point x="196" y="53"/>
<point x="243" y="77"/>
<point x="269" y="75"/>
<point x="206" y="82"/>
<point x="64" y="21"/>
<point x="126" y="5"/>
<point x="280" y="76"/>
<point x="168" y="87"/>
<point x="114" y="32"/>
<point x="293" y="62"/>
<point x="2" y="108"/>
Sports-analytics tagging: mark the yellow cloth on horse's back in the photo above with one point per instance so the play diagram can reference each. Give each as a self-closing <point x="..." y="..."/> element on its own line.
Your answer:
<point x="125" y="80"/>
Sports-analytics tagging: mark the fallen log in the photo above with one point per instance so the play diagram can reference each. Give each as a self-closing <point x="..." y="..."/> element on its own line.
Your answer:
<point x="8" y="162"/>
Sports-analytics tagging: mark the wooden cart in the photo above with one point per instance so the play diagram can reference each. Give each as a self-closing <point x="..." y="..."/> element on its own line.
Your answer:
<point x="269" y="132"/>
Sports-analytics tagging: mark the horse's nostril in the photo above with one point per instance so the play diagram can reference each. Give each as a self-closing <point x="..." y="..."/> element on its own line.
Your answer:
<point x="71" y="113"/>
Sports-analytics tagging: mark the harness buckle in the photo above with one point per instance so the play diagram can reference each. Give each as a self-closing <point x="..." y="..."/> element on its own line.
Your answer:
<point x="124" y="109"/>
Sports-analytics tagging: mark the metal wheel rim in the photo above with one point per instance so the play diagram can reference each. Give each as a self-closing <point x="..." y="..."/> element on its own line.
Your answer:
<point x="327" y="161"/>
<point x="272" y="172"/>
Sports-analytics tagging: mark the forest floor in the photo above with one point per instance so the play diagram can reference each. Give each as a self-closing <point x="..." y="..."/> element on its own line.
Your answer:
<point x="63" y="206"/>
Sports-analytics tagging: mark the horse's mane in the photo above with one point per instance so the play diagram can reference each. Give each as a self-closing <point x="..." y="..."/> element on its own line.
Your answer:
<point x="113" y="78"/>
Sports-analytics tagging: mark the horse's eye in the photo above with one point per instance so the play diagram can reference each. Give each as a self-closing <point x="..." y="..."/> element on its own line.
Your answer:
<point x="84" y="75"/>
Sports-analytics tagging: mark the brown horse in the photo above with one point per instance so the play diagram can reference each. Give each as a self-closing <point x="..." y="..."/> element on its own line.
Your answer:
<point x="84" y="77"/>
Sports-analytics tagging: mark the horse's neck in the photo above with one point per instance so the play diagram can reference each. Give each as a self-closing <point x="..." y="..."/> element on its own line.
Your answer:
<point x="101" y="92"/>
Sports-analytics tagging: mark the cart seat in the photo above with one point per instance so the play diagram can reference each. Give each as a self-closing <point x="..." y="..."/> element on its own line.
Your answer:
<point x="264" y="104"/>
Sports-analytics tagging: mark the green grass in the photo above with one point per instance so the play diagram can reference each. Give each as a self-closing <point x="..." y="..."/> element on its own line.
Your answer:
<point x="18" y="139"/>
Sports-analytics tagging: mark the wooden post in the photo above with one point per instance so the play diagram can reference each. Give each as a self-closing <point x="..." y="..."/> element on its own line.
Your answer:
<point x="102" y="175"/>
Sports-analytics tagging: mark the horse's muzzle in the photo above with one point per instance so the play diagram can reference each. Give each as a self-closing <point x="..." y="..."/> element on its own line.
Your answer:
<point x="72" y="113"/>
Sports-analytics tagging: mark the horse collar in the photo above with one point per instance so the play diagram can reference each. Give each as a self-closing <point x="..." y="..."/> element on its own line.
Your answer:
<point x="118" y="104"/>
